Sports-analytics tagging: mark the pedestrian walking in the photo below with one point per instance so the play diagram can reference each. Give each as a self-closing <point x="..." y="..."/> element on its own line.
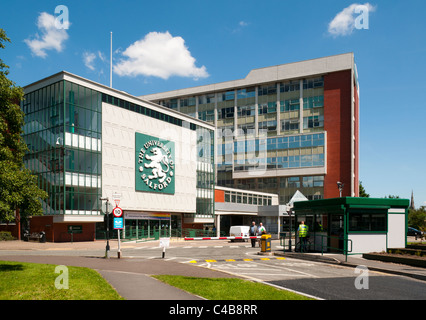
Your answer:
<point x="253" y="233"/>
<point x="261" y="230"/>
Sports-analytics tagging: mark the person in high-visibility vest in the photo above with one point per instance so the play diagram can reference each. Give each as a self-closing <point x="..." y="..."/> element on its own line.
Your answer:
<point x="303" y="233"/>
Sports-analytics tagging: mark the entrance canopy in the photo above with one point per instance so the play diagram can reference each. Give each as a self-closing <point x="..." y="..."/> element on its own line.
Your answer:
<point x="298" y="196"/>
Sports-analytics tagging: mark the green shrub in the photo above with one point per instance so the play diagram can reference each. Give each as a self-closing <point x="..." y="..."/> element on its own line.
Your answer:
<point x="6" y="235"/>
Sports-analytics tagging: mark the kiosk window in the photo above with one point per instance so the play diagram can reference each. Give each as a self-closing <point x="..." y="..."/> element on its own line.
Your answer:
<point x="367" y="222"/>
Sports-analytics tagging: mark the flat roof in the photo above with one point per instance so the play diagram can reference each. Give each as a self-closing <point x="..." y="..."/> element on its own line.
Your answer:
<point x="64" y="75"/>
<point x="288" y="71"/>
<point x="352" y="202"/>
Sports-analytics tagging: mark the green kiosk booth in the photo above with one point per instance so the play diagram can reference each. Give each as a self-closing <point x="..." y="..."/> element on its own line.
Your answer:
<point x="350" y="225"/>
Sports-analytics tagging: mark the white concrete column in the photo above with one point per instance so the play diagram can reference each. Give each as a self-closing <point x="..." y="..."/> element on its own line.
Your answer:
<point x="301" y="107"/>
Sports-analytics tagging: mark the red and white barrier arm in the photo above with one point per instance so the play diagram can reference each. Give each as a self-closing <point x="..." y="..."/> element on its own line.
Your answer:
<point x="222" y="238"/>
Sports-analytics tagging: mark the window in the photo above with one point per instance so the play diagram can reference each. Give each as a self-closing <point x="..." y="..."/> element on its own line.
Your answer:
<point x="313" y="102"/>
<point x="226" y="113"/>
<point x="246" y="93"/>
<point x="288" y="125"/>
<point x="268" y="125"/>
<point x="293" y="182"/>
<point x="372" y="222"/>
<point x="289" y="105"/>
<point x="229" y="95"/>
<point x="290" y="86"/>
<point x="313" y="83"/>
<point x="246" y="111"/>
<point x="266" y="90"/>
<point x="206" y="115"/>
<point x="265" y="108"/>
<point x="313" y="122"/>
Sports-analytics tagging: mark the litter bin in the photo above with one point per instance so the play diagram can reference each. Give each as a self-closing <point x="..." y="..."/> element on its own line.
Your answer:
<point x="265" y="241"/>
<point x="43" y="237"/>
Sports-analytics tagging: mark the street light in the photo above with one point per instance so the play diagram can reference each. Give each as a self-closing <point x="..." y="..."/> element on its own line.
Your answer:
<point x="289" y="241"/>
<point x="340" y="185"/>
<point x="107" y="227"/>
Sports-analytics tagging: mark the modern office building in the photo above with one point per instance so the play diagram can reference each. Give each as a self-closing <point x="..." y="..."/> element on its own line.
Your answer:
<point x="279" y="130"/>
<point x="87" y="141"/>
<point x="282" y="128"/>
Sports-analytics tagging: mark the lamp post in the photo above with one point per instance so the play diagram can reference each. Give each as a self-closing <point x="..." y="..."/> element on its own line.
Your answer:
<point x="340" y="185"/>
<point x="107" y="248"/>
<point x="289" y="241"/>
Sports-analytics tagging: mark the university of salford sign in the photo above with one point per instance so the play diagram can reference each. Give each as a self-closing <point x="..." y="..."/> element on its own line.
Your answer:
<point x="155" y="164"/>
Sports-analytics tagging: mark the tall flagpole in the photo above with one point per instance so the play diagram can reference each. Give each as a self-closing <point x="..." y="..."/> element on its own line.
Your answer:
<point x="110" y="61"/>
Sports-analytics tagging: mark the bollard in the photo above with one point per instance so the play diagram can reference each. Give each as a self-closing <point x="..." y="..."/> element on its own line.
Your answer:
<point x="265" y="241"/>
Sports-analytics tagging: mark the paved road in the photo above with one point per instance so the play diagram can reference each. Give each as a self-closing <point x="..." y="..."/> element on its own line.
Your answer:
<point x="321" y="280"/>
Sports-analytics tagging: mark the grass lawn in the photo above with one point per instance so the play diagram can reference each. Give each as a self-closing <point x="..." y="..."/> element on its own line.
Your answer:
<point x="33" y="281"/>
<point x="228" y="288"/>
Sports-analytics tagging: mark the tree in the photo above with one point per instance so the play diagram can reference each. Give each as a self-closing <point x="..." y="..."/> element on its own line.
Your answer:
<point x="391" y="196"/>
<point x="19" y="190"/>
<point x="362" y="192"/>
<point x="417" y="218"/>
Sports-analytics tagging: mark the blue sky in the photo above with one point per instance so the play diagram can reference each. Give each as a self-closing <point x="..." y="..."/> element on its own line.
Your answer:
<point x="215" y="41"/>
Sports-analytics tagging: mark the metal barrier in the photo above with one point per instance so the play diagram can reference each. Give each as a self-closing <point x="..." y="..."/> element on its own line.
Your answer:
<point x="345" y="251"/>
<point x="220" y="238"/>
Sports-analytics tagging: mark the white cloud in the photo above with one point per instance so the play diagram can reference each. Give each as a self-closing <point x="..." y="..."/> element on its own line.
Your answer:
<point x="159" y="55"/>
<point x="89" y="60"/>
<point x="52" y="38"/>
<point x="344" y="22"/>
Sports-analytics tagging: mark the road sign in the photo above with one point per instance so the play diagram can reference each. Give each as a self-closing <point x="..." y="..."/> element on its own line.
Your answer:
<point x="118" y="223"/>
<point x="117" y="212"/>
<point x="164" y="242"/>
<point x="116" y="196"/>
<point x="75" y="229"/>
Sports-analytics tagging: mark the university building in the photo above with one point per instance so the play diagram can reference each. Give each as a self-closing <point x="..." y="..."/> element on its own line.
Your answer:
<point x="282" y="128"/>
<point x="87" y="141"/>
<point x="214" y="155"/>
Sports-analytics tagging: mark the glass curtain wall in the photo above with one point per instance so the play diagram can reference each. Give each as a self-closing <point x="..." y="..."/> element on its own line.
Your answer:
<point x="205" y="173"/>
<point x="63" y="132"/>
<point x="293" y="136"/>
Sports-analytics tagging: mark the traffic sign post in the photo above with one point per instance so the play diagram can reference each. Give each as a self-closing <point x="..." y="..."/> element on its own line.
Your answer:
<point x="117" y="212"/>
<point x="118" y="225"/>
<point x="164" y="243"/>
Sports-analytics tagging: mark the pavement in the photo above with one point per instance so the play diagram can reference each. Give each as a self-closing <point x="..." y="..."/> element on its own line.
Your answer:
<point x="132" y="277"/>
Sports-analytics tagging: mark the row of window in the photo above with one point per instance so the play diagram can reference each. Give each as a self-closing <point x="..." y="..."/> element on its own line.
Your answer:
<point x="244" y="93"/>
<point x="247" y="198"/>
<point x="279" y="143"/>
<point x="281" y="182"/>
<point x="301" y="161"/>
<point x="310" y="186"/>
<point x="145" y="111"/>
<point x="267" y="108"/>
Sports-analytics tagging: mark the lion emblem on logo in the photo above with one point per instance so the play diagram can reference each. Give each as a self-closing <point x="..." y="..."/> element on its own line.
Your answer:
<point x="158" y="159"/>
<point x="156" y="165"/>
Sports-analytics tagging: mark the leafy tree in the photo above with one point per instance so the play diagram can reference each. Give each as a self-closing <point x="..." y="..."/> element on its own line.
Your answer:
<point x="18" y="187"/>
<point x="362" y="192"/>
<point x="391" y="197"/>
<point x="417" y="218"/>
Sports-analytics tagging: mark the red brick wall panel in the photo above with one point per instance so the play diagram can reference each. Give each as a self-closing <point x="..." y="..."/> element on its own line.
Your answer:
<point x="337" y="123"/>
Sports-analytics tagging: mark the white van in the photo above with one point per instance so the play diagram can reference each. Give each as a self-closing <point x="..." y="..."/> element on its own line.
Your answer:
<point x="239" y="231"/>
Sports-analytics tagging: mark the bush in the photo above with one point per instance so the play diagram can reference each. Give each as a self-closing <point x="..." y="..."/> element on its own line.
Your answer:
<point x="6" y="235"/>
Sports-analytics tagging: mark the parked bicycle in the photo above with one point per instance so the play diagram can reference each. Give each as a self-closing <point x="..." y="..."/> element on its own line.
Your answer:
<point x="304" y="247"/>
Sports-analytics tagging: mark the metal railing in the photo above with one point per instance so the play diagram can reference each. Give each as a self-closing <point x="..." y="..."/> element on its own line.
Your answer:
<point x="313" y="246"/>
